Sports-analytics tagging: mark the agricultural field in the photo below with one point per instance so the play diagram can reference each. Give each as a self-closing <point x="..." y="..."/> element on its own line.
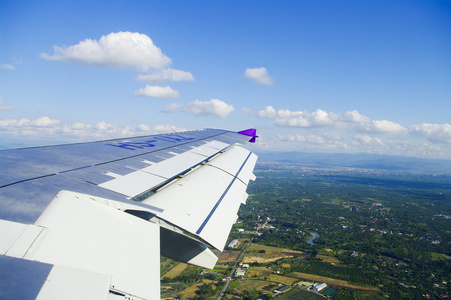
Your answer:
<point x="166" y="264"/>
<point x="265" y="254"/>
<point x="283" y="279"/>
<point x="191" y="291"/>
<point x="329" y="259"/>
<point x="228" y="256"/>
<point x="249" y="285"/>
<point x="256" y="271"/>
<point x="175" y="271"/>
<point x="331" y="281"/>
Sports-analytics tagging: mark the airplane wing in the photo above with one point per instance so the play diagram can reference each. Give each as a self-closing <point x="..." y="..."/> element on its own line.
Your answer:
<point x="90" y="220"/>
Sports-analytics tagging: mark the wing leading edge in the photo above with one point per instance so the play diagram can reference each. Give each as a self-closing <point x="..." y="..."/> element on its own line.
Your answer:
<point x="91" y="219"/>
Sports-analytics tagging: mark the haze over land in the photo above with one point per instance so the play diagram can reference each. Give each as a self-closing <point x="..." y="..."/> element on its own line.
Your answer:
<point x="315" y="76"/>
<point x="357" y="161"/>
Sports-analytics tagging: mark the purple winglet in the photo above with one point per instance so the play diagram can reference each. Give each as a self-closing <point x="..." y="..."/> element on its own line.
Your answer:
<point x="252" y="132"/>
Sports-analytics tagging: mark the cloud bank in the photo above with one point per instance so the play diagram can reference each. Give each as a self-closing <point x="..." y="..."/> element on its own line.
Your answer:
<point x="436" y="133"/>
<point x="47" y="128"/>
<point x="363" y="143"/>
<point x="320" y="118"/>
<point x="436" y="144"/>
<point x="354" y="132"/>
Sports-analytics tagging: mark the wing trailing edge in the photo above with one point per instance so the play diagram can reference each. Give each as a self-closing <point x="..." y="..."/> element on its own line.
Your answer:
<point x="205" y="202"/>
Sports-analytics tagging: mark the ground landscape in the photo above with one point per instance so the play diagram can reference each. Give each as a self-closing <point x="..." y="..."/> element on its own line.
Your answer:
<point x="352" y="232"/>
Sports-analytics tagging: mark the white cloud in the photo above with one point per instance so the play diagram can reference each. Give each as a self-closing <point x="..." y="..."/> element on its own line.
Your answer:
<point x="172" y="107"/>
<point x="101" y="130"/>
<point x="52" y="129"/>
<point x="355" y="117"/>
<point x="269" y="112"/>
<point x="25" y="123"/>
<point x="166" y="129"/>
<point x="366" y="140"/>
<point x="287" y="118"/>
<point x="259" y="75"/>
<point x="122" y="50"/>
<point x="436" y="133"/>
<point x="166" y="75"/>
<point x="45" y="122"/>
<point x="385" y="126"/>
<point x="157" y="91"/>
<point x="7" y="67"/>
<point x="78" y="126"/>
<point x="213" y="107"/>
<point x="42" y="126"/>
<point x="119" y="49"/>
<point x="143" y="128"/>
<point x="320" y="118"/>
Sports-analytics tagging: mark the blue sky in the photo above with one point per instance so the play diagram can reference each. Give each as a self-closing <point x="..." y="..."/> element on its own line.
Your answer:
<point x="316" y="76"/>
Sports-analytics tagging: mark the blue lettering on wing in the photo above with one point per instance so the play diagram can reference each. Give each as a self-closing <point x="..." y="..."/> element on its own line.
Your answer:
<point x="174" y="138"/>
<point x="151" y="142"/>
<point x="134" y="145"/>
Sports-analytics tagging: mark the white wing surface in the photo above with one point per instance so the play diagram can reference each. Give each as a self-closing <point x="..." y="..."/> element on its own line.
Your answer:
<point x="90" y="220"/>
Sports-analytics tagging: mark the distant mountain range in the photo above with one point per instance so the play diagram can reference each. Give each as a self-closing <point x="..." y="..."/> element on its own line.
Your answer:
<point x="359" y="160"/>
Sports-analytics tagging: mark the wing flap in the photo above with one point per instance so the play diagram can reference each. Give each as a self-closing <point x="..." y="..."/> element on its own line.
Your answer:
<point x="187" y="201"/>
<point x="25" y="241"/>
<point x="9" y="233"/>
<point x="186" y="249"/>
<point x="133" y="184"/>
<point x="74" y="284"/>
<point x="87" y="235"/>
<point x="216" y="226"/>
<point x="205" y="202"/>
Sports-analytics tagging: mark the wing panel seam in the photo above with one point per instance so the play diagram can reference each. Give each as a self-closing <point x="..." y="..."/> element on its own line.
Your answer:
<point x="227" y="173"/>
<point x="25" y="180"/>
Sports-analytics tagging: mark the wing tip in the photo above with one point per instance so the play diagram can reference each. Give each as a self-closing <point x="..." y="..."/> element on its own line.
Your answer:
<point x="252" y="132"/>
